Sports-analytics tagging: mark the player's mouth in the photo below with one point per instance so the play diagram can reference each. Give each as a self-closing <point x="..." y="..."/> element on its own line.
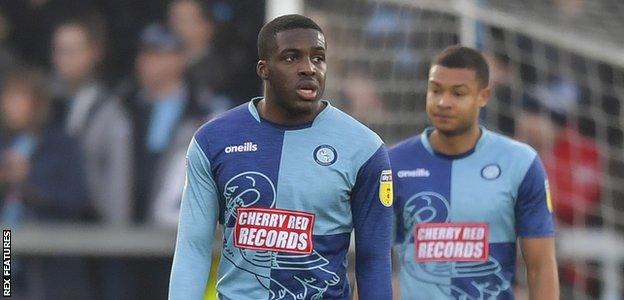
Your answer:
<point x="442" y="118"/>
<point x="307" y="90"/>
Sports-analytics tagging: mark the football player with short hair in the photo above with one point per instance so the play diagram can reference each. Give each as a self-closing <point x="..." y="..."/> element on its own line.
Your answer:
<point x="288" y="177"/>
<point x="464" y="195"/>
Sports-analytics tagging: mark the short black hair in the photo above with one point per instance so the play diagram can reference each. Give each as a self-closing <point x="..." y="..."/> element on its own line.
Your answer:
<point x="266" y="37"/>
<point x="462" y="57"/>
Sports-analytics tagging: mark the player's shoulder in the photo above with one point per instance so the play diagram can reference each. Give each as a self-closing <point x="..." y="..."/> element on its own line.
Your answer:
<point x="507" y="146"/>
<point x="350" y="128"/>
<point x="229" y="120"/>
<point x="407" y="145"/>
<point x="225" y="125"/>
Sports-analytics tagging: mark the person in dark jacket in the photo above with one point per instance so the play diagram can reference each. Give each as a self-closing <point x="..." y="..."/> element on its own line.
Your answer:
<point x="41" y="180"/>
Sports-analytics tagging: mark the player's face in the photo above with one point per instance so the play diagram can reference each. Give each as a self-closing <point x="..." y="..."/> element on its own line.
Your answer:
<point x="295" y="72"/>
<point x="454" y="99"/>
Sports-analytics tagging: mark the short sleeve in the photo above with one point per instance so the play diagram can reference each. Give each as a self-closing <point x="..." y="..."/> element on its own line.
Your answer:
<point x="533" y="207"/>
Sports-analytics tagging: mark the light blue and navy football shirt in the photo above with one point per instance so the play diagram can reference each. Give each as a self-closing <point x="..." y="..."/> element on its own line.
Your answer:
<point x="287" y="199"/>
<point x="458" y="217"/>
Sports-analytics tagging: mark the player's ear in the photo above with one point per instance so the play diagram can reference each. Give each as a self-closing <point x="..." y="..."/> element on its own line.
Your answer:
<point x="262" y="69"/>
<point x="484" y="96"/>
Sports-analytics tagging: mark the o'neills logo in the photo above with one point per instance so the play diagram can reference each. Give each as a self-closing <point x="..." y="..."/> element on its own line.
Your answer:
<point x="245" y="147"/>
<point x="451" y="242"/>
<point x="420" y="172"/>
<point x="274" y="230"/>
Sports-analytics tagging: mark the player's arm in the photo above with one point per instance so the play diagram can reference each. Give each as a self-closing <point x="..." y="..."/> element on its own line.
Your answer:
<point x="372" y="222"/>
<point x="539" y="257"/>
<point x="534" y="225"/>
<point x="198" y="218"/>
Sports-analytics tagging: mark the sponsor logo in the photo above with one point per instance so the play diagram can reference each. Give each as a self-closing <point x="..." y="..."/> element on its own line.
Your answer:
<point x="385" y="188"/>
<point x="274" y="229"/>
<point x="480" y="279"/>
<point x="445" y="242"/>
<point x="491" y="172"/>
<point x="420" y="172"/>
<point x="325" y="155"/>
<point x="245" y="147"/>
<point x="302" y="276"/>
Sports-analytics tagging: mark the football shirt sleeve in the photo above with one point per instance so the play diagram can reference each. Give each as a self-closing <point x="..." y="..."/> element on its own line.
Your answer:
<point x="399" y="235"/>
<point x="198" y="218"/>
<point x="371" y="203"/>
<point x="533" y="207"/>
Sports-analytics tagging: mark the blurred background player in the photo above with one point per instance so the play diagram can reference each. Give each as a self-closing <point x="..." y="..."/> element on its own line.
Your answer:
<point x="263" y="157"/>
<point x="464" y="195"/>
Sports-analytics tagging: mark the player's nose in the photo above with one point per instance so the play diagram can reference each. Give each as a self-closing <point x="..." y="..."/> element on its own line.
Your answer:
<point x="444" y="100"/>
<point x="306" y="67"/>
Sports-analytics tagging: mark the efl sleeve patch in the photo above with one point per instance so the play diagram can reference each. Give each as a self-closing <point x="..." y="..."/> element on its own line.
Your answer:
<point x="548" y="197"/>
<point x="385" y="188"/>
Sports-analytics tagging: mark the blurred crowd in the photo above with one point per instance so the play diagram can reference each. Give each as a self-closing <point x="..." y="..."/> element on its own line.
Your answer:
<point x="98" y="102"/>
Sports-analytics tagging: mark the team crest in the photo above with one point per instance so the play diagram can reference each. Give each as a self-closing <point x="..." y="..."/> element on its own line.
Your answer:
<point x="385" y="188"/>
<point x="491" y="172"/>
<point x="325" y="155"/>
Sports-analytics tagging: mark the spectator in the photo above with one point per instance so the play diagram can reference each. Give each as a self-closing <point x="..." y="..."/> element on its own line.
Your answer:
<point x="41" y="180"/>
<point x="7" y="53"/>
<point x="98" y="122"/>
<point x="571" y="159"/>
<point x="164" y="120"/>
<point x="207" y="70"/>
<point x="42" y="167"/>
<point x="501" y="114"/>
<point x="363" y="100"/>
<point x="573" y="164"/>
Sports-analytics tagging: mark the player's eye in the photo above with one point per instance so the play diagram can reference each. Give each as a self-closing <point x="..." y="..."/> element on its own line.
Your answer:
<point x="459" y="93"/>
<point x="318" y="58"/>
<point x="289" y="58"/>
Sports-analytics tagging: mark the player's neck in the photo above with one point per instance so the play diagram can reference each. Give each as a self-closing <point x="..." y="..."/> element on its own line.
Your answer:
<point x="455" y="144"/>
<point x="268" y="110"/>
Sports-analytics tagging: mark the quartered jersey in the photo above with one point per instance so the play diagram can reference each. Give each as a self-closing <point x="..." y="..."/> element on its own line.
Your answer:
<point x="287" y="199"/>
<point x="458" y="217"/>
